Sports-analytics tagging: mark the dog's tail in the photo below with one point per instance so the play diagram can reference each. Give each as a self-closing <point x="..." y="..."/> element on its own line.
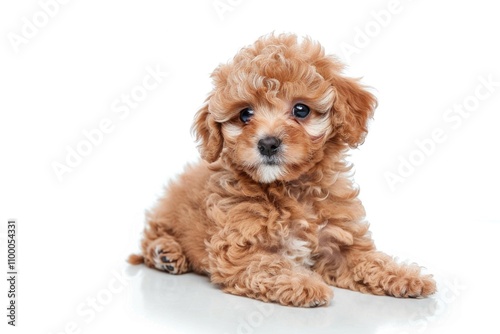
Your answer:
<point x="135" y="259"/>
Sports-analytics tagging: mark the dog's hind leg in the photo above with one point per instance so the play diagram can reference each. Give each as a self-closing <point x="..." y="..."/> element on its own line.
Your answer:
<point x="161" y="251"/>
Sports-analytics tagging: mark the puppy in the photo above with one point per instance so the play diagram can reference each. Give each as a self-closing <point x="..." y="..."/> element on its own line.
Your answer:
<point x="271" y="212"/>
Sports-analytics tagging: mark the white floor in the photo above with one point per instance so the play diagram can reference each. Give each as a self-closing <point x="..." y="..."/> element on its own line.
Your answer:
<point x="188" y="304"/>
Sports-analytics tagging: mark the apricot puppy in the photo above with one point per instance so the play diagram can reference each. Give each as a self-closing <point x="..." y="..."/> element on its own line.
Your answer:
<point x="271" y="213"/>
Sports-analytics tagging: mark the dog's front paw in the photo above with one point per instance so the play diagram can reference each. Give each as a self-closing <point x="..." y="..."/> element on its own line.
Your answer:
<point x="303" y="291"/>
<point x="412" y="286"/>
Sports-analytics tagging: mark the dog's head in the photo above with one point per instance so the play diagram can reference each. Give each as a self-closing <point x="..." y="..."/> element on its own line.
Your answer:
<point x="277" y="106"/>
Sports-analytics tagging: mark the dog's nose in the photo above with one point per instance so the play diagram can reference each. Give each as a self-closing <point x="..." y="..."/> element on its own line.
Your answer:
<point x="268" y="146"/>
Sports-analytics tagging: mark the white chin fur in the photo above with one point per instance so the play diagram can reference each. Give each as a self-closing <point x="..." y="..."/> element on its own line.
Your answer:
<point x="269" y="173"/>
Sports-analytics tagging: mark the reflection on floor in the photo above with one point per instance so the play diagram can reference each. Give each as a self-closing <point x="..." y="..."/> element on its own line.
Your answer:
<point x="190" y="304"/>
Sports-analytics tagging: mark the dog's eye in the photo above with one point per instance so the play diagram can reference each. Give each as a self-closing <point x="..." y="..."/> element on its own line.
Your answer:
<point x="245" y="115"/>
<point x="300" y="110"/>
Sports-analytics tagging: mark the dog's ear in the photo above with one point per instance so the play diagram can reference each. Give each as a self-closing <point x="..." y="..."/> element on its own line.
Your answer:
<point x="353" y="105"/>
<point x="208" y="134"/>
<point x="352" y="108"/>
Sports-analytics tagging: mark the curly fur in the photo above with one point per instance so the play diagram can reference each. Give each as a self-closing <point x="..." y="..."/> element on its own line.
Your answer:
<point x="280" y="232"/>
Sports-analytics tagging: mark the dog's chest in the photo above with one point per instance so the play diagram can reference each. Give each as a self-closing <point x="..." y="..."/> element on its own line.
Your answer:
<point x="300" y="237"/>
<point x="298" y="251"/>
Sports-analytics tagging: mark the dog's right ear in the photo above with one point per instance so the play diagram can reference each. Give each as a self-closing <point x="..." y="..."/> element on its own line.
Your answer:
<point x="208" y="134"/>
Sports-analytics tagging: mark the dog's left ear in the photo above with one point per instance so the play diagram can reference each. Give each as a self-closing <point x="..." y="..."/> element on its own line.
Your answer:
<point x="352" y="108"/>
<point x="208" y="134"/>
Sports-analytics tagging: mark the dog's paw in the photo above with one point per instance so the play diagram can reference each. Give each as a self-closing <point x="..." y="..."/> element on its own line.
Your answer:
<point x="166" y="256"/>
<point x="413" y="286"/>
<point x="170" y="262"/>
<point x="304" y="292"/>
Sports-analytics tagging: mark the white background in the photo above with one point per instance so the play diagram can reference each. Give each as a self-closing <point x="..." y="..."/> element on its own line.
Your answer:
<point x="75" y="232"/>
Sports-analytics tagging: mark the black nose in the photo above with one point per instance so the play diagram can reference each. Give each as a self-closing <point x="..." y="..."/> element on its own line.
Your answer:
<point x="269" y="146"/>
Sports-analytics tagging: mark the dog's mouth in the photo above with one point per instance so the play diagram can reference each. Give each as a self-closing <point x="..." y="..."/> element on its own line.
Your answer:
<point x="271" y="161"/>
